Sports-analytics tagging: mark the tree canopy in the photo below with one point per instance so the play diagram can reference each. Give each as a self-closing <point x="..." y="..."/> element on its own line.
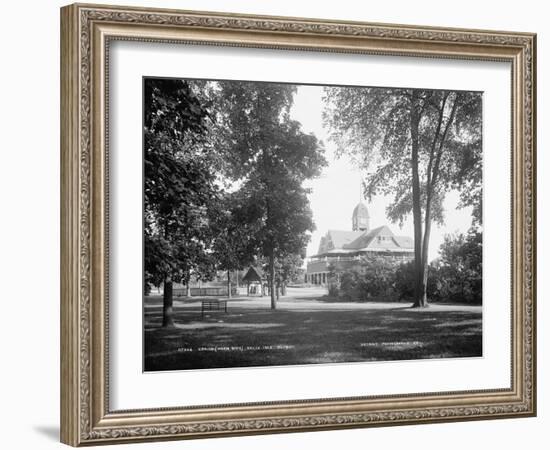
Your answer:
<point x="270" y="157"/>
<point x="414" y="145"/>
<point x="224" y="166"/>
<point x="178" y="184"/>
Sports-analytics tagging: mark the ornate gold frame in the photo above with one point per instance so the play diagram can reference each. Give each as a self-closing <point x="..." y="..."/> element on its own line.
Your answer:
<point x="86" y="31"/>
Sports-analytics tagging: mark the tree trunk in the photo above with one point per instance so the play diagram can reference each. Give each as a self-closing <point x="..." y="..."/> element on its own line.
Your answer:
<point x="228" y="284"/>
<point x="167" y="304"/>
<point x="283" y="289"/>
<point x="278" y="289"/>
<point x="417" y="212"/>
<point x="432" y="176"/>
<point x="425" y="243"/>
<point x="188" y="284"/>
<point x="272" y="281"/>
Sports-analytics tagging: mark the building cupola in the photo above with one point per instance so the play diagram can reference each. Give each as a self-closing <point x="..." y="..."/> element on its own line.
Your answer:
<point x="360" y="218"/>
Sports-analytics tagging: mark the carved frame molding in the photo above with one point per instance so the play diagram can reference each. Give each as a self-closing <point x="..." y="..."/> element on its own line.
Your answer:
<point x="86" y="31"/>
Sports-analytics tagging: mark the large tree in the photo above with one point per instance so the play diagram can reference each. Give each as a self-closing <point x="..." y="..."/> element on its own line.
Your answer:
<point x="270" y="157"/>
<point x="414" y="145"/>
<point x="178" y="186"/>
<point x="234" y="243"/>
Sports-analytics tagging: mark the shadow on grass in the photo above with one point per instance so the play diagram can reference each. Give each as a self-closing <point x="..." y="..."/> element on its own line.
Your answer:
<point x="259" y="337"/>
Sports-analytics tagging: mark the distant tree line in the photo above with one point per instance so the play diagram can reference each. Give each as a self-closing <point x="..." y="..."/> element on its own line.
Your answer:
<point x="455" y="276"/>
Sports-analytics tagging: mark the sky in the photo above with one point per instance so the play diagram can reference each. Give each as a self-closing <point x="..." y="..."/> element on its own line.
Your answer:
<point x="337" y="191"/>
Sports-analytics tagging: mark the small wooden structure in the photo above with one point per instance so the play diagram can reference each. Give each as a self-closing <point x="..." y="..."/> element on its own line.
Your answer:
<point x="255" y="281"/>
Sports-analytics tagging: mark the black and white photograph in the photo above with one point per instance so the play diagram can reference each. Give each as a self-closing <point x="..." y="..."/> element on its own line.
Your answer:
<point x="293" y="224"/>
<point x="242" y="225"/>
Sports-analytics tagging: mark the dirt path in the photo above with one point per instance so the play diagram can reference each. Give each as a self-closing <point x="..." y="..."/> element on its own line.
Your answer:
<point x="313" y="299"/>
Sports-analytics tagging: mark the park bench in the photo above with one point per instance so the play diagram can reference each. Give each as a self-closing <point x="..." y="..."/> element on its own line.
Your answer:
<point x="213" y="305"/>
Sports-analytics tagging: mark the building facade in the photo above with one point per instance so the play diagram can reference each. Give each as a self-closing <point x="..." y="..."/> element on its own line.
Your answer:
<point x="342" y="249"/>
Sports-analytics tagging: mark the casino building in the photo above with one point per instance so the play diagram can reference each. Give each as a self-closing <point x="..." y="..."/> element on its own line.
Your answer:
<point x="343" y="249"/>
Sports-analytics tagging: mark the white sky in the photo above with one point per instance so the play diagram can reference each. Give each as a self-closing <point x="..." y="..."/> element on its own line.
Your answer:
<point x="336" y="192"/>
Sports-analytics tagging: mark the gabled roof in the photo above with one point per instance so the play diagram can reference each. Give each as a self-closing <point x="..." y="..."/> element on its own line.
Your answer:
<point x="337" y="239"/>
<point x="404" y="241"/>
<point x="254" y="274"/>
<point x="379" y="239"/>
<point x="366" y="239"/>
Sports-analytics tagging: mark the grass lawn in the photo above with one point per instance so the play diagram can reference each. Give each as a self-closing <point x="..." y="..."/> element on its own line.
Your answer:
<point x="306" y="329"/>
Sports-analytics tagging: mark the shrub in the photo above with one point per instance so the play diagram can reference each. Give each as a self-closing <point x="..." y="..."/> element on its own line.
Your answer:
<point x="404" y="282"/>
<point x="458" y="270"/>
<point x="372" y="280"/>
<point x="349" y="285"/>
<point x="456" y="275"/>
